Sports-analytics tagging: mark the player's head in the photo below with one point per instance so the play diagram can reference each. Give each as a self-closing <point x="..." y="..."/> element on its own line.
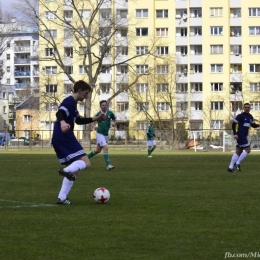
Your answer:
<point x="247" y="107"/>
<point x="81" y="85"/>
<point x="103" y="105"/>
<point x="151" y="122"/>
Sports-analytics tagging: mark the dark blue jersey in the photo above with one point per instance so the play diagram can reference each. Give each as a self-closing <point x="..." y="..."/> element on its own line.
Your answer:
<point x="244" y="121"/>
<point x="69" y="106"/>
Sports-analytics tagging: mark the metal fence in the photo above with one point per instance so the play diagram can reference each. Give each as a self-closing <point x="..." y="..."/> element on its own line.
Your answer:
<point x="202" y="140"/>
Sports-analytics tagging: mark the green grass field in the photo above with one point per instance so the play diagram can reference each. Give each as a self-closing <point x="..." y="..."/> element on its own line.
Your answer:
<point x="177" y="205"/>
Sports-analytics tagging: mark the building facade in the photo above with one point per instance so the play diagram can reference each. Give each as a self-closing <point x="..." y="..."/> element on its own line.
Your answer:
<point x="188" y="64"/>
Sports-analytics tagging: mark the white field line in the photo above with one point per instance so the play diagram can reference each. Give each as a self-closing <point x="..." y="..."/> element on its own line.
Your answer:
<point x="25" y="204"/>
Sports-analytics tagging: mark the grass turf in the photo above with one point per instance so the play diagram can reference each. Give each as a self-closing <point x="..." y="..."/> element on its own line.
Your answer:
<point x="176" y="205"/>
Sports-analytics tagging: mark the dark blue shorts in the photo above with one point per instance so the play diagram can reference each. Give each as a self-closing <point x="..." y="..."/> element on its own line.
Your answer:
<point x="68" y="152"/>
<point x="242" y="142"/>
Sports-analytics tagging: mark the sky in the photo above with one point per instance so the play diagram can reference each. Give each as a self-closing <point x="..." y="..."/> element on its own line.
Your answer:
<point x="5" y="4"/>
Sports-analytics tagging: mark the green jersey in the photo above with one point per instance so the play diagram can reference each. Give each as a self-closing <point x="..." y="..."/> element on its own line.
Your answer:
<point x="150" y="133"/>
<point x="104" y="126"/>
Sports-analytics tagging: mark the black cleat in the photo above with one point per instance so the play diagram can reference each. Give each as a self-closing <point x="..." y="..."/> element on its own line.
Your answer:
<point x="230" y="170"/>
<point x="63" y="202"/>
<point x="238" y="167"/>
<point x="70" y="176"/>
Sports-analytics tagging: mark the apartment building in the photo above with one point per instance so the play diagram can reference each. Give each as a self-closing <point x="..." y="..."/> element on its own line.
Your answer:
<point x="19" y="67"/>
<point x="213" y="51"/>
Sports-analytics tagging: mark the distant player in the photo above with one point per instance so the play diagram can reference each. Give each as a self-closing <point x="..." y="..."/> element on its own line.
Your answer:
<point x="67" y="148"/>
<point x="151" y="143"/>
<point x="102" y="133"/>
<point x="243" y="121"/>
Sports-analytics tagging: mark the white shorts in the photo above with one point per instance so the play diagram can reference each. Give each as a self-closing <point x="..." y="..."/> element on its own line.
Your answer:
<point x="101" y="139"/>
<point x="151" y="143"/>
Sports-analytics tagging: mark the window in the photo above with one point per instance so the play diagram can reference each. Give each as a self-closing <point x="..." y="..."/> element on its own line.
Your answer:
<point x="123" y="32"/>
<point x="105" y="69"/>
<point x="236" y="49"/>
<point x="141" y="125"/>
<point x="8" y="44"/>
<point x="162" y="50"/>
<point x="105" y="13"/>
<point x="122" y="87"/>
<point x="84" y="14"/>
<point x="141" y="50"/>
<point x="4" y="110"/>
<point x="104" y="88"/>
<point x="140" y="106"/>
<point x="50" y="34"/>
<point x="254" y="68"/>
<point x="196" y="87"/>
<point x="141" y="31"/>
<point x="51" y="88"/>
<point x="8" y="81"/>
<point x="4" y="95"/>
<point x="50" y="52"/>
<point x="254" y="87"/>
<point x="216" y="105"/>
<point x="181" y="106"/>
<point x="122" y="70"/>
<point x="162" y="69"/>
<point x="254" y="12"/>
<point x="197" y="68"/>
<point x="182" y="87"/>
<point x="214" y="30"/>
<point x="183" y="32"/>
<point x="141" y="13"/>
<point x="196" y="12"/>
<point x="162" y="88"/>
<point x="142" y="87"/>
<point x="68" y="69"/>
<point x="254" y="49"/>
<point x="122" y="106"/>
<point x="217" y="11"/>
<point x="198" y="105"/>
<point x="83" y="69"/>
<point x="68" y="52"/>
<point x="50" y="70"/>
<point x="122" y="50"/>
<point x="197" y="31"/>
<point x="50" y="15"/>
<point x="161" y="32"/>
<point x="122" y="13"/>
<point x="235" y="31"/>
<point x="84" y="32"/>
<point x="197" y="49"/>
<point x="216" y="124"/>
<point x="216" y="49"/>
<point x="68" y="88"/>
<point x="216" y="86"/>
<point x="53" y="107"/>
<point x="184" y="50"/>
<point x="254" y="30"/>
<point x="8" y="69"/>
<point x="216" y="68"/>
<point x="141" y="69"/>
<point x="104" y="31"/>
<point x="236" y="106"/>
<point x="27" y="118"/>
<point x="68" y="15"/>
<point x="162" y="13"/>
<point x="8" y="56"/>
<point x="163" y="106"/>
<point x="255" y="105"/>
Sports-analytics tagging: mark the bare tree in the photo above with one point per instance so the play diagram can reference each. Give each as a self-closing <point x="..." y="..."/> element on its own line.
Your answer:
<point x="96" y="38"/>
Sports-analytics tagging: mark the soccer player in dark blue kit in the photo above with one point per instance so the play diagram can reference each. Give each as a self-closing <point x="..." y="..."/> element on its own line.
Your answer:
<point x="244" y="121"/>
<point x="67" y="148"/>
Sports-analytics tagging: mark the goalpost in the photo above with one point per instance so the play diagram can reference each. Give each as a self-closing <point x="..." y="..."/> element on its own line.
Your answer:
<point x="221" y="140"/>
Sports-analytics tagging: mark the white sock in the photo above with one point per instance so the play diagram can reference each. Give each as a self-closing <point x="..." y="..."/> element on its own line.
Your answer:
<point x="76" y="166"/>
<point x="65" y="188"/>
<point x="242" y="156"/>
<point x="233" y="160"/>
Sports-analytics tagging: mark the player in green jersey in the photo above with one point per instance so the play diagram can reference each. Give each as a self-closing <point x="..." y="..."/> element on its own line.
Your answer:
<point x="102" y="133"/>
<point x="151" y="143"/>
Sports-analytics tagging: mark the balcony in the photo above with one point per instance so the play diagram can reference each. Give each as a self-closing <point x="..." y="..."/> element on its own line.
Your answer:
<point x="234" y="3"/>
<point x="196" y="114"/>
<point x="235" y="58"/>
<point x="19" y="85"/>
<point x="236" y="77"/>
<point x="181" y="4"/>
<point x="182" y="59"/>
<point x="196" y="96"/>
<point x="195" y="3"/>
<point x="181" y="78"/>
<point x="181" y="40"/>
<point x="195" y="21"/>
<point x="21" y="61"/>
<point x="235" y="21"/>
<point x="195" y="39"/>
<point x="196" y="77"/>
<point x="22" y="49"/>
<point x="236" y="40"/>
<point x="196" y="58"/>
<point x="26" y="73"/>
